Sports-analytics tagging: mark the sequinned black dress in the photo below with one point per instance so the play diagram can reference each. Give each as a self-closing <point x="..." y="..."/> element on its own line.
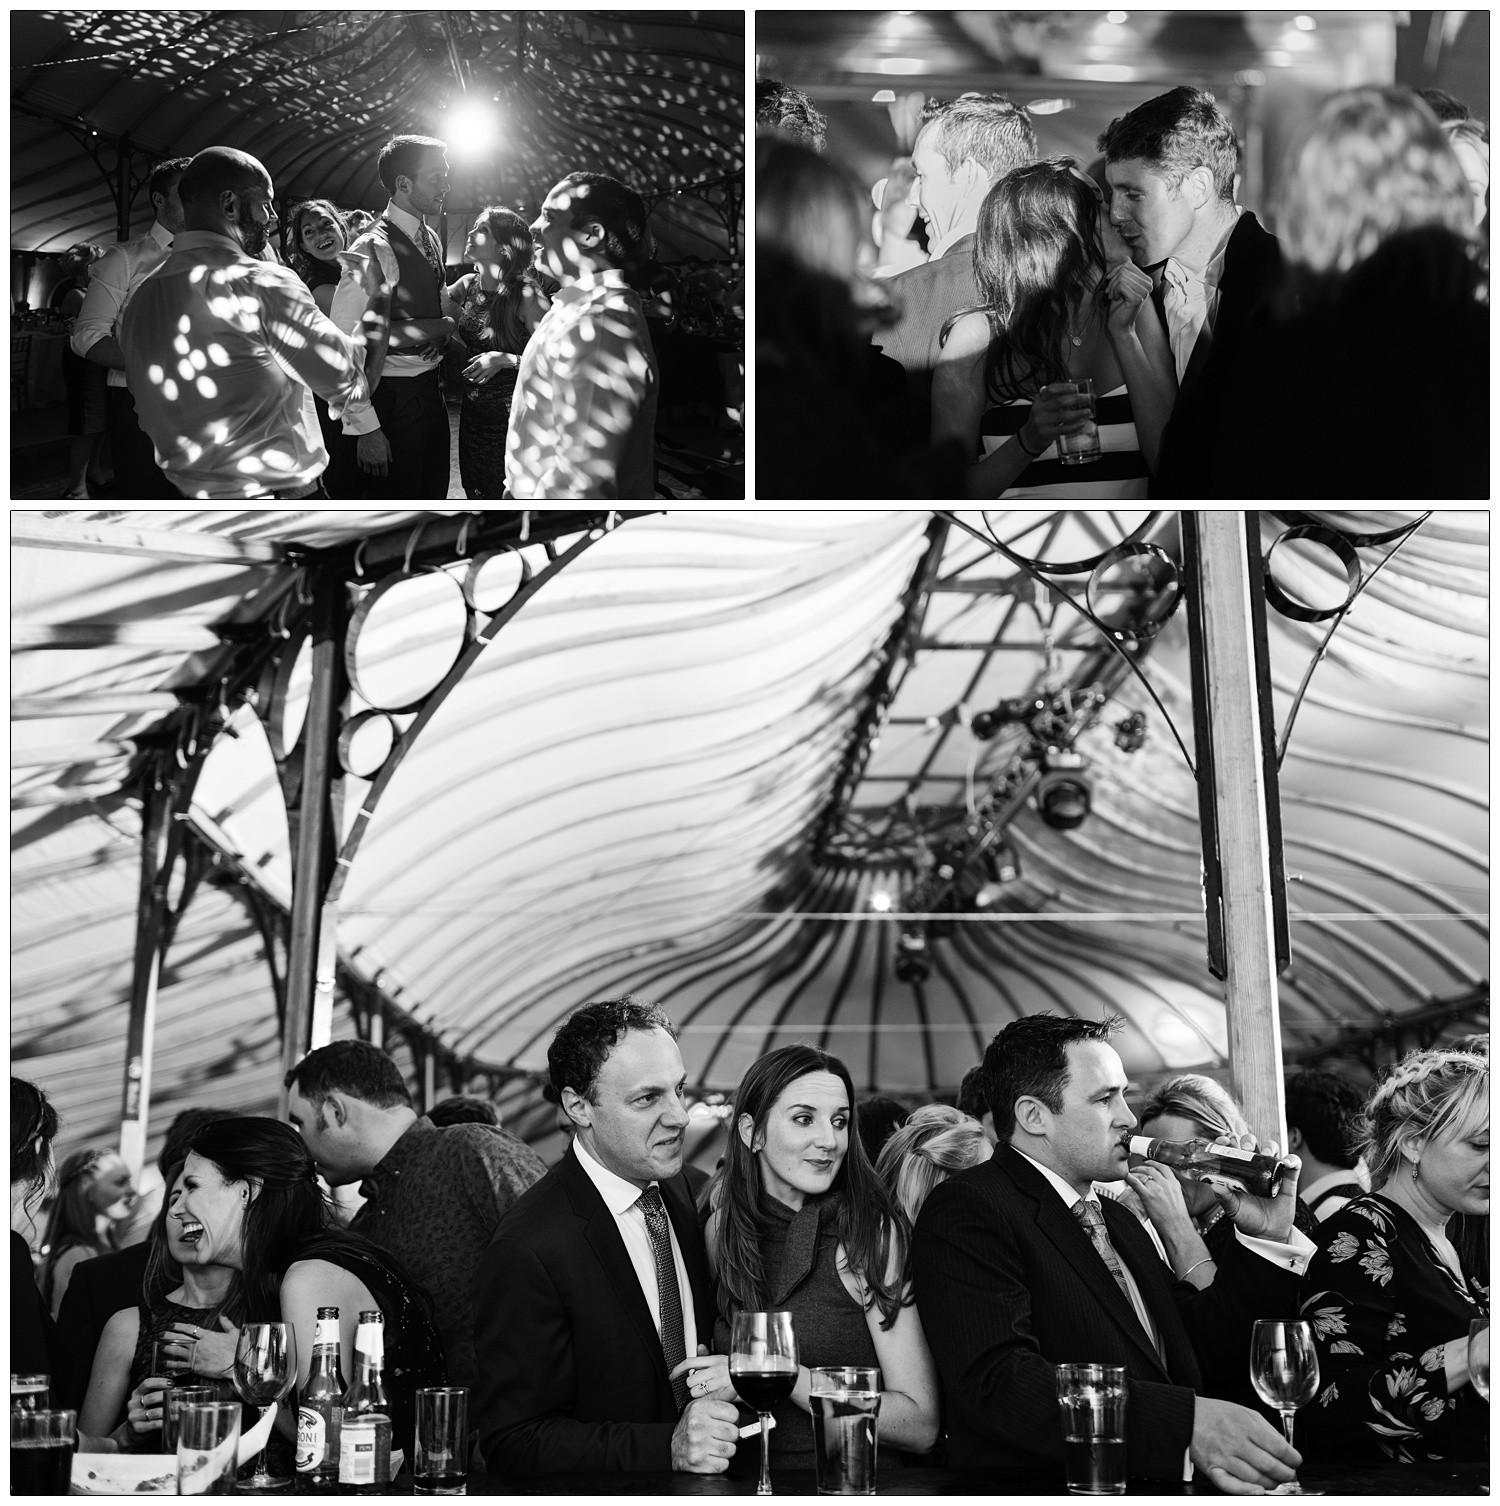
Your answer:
<point x="485" y="417"/>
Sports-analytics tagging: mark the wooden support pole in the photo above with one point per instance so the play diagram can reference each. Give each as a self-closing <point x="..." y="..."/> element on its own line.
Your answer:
<point x="310" y="876"/>
<point x="1240" y="799"/>
<point x="140" y="1031"/>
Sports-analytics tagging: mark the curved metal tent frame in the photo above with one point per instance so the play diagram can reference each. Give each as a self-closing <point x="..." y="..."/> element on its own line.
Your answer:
<point x="689" y="765"/>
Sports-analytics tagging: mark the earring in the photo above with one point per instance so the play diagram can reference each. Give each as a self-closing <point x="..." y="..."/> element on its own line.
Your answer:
<point x="1416" y="1166"/>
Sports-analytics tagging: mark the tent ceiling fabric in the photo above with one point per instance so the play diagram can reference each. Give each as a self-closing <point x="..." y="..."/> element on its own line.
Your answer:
<point x="632" y="790"/>
<point x="655" y="98"/>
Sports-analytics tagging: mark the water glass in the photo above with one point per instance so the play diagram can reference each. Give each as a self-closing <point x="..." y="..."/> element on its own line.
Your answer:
<point x="208" y="1440"/>
<point x="41" y="1452"/>
<point x="442" y="1441"/>
<point x="845" y="1411"/>
<point x="1091" y="1399"/>
<point x="1083" y="447"/>
<point x="173" y="1400"/>
<point x="29" y="1393"/>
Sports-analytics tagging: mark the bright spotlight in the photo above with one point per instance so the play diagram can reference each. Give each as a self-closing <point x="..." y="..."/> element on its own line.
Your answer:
<point x="1305" y="23"/>
<point x="880" y="900"/>
<point x="472" y="127"/>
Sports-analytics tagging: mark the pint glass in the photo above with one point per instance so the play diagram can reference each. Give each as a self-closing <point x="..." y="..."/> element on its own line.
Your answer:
<point x="845" y="1406"/>
<point x="1091" y="1399"/>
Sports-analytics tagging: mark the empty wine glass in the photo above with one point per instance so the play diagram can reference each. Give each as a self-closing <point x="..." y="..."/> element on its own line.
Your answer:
<point x="1479" y="1356"/>
<point x="1284" y="1372"/>
<point x="265" y="1369"/>
<point x="763" y="1367"/>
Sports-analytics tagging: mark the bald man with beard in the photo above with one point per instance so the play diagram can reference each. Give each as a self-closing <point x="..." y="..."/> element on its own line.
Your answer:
<point x="224" y="351"/>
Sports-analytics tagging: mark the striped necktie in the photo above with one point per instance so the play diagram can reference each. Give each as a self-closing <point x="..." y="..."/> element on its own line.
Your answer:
<point x="1091" y="1216"/>
<point x="669" y="1298"/>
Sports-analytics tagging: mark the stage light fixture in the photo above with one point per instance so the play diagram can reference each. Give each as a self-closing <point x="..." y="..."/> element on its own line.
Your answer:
<point x="1130" y="732"/>
<point x="880" y="901"/>
<point x="1064" y="794"/>
<point x="1002" y="867"/>
<point x="913" y="963"/>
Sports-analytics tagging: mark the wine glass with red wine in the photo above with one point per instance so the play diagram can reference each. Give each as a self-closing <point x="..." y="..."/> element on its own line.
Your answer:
<point x="265" y="1370"/>
<point x="763" y="1367"/>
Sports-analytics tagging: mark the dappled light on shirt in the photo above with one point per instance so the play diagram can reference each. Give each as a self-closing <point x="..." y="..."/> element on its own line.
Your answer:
<point x="224" y="353"/>
<point x="585" y="403"/>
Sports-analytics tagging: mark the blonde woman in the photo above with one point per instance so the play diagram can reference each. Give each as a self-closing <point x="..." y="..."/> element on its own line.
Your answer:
<point x="1389" y="1298"/>
<point x="934" y="1142"/>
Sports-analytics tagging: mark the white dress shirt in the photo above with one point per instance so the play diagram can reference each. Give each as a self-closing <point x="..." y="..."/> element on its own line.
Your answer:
<point x="350" y="299"/>
<point x="622" y="1198"/>
<point x="224" y="352"/>
<point x="1191" y="299"/>
<point x="583" y="419"/>
<point x="1309" y="1193"/>
<point x="1070" y="1197"/>
<point x="112" y="279"/>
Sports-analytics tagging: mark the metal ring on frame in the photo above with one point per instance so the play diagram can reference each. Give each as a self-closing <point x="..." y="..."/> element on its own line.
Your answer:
<point x="1336" y="544"/>
<point x="476" y="569"/>
<point x="1162" y="610"/>
<point x="287" y="666"/>
<point x="358" y="761"/>
<point x="361" y="617"/>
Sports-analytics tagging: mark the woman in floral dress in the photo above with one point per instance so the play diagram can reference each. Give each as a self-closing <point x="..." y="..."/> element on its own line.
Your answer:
<point x="497" y="306"/>
<point x="1388" y="1296"/>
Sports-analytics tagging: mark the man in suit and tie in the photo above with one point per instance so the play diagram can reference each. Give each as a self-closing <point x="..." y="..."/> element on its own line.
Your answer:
<point x="593" y="1294"/>
<point x="964" y="145"/>
<point x="1171" y="166"/>
<point x="1019" y="1267"/>
<point x="407" y="456"/>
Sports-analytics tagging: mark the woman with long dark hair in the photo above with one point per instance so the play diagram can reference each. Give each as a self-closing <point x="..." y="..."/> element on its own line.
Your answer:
<point x="34" y="1349"/>
<point x="1053" y="311"/>
<point x="496" y="306"/>
<point x="249" y="1199"/>
<point x="125" y="1393"/>
<point x="802" y="1224"/>
<point x="95" y="1193"/>
<point x="316" y="233"/>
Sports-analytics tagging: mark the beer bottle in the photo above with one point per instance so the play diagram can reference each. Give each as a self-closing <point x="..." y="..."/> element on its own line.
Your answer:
<point x="321" y="1409"/>
<point x="365" y="1436"/>
<point x="1259" y="1174"/>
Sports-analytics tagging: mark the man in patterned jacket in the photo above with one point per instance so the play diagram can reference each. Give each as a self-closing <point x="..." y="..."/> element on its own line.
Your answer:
<point x="433" y="1196"/>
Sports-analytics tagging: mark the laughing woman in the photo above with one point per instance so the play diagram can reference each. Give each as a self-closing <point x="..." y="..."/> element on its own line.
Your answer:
<point x="804" y="1225"/>
<point x="248" y="1201"/>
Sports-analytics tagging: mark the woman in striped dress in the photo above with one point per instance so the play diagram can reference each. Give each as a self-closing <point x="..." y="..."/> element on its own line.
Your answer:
<point x="1054" y="310"/>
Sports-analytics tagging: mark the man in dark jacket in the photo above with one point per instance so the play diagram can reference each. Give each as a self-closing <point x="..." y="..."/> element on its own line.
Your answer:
<point x="590" y="1300"/>
<point x="962" y="148"/>
<point x="1019" y="1267"/>
<point x="1171" y="167"/>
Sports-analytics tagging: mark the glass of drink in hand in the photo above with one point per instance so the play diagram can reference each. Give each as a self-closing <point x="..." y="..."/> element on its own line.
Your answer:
<point x="763" y="1367"/>
<point x="1479" y="1356"/>
<point x="29" y="1393"/>
<point x="1284" y="1372"/>
<point x="265" y="1369"/>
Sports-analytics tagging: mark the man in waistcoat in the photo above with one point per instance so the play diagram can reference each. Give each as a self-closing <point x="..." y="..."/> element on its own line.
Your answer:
<point x="407" y="456"/>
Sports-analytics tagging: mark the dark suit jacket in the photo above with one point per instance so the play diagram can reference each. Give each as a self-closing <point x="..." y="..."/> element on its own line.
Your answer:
<point x="97" y="1290"/>
<point x="1252" y="273"/>
<point x="571" y="1373"/>
<point x="927" y="295"/>
<point x="1009" y="1286"/>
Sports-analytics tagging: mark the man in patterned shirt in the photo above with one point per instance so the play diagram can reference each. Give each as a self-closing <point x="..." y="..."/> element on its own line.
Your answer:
<point x="583" y="420"/>
<point x="433" y="1196"/>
